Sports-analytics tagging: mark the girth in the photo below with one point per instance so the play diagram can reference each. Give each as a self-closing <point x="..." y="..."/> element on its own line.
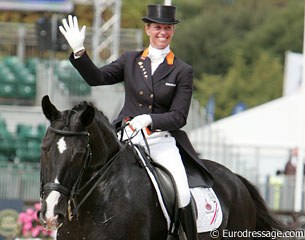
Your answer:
<point x="166" y="186"/>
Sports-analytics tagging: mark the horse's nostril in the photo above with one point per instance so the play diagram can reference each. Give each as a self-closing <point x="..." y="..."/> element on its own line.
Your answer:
<point x="54" y="222"/>
<point x="38" y="214"/>
<point x="60" y="217"/>
<point x="41" y="219"/>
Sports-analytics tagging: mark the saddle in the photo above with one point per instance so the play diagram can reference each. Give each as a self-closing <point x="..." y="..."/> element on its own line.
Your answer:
<point x="204" y="202"/>
<point x="165" y="185"/>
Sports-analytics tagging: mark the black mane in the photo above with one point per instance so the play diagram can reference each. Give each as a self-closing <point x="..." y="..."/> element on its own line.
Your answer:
<point x="100" y="117"/>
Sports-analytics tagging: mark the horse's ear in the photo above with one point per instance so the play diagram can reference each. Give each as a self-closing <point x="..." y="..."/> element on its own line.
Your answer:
<point x="88" y="115"/>
<point x="49" y="110"/>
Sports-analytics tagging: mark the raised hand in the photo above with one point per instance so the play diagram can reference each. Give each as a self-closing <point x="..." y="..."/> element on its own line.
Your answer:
<point x="73" y="35"/>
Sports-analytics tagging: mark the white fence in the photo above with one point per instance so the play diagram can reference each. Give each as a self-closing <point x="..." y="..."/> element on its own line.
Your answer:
<point x="255" y="162"/>
<point x="19" y="183"/>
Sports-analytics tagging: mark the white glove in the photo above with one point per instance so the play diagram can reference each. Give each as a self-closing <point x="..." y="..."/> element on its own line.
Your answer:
<point x="71" y="32"/>
<point x="141" y="121"/>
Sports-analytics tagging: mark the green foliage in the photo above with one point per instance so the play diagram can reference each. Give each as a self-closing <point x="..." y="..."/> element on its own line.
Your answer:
<point x="238" y="50"/>
<point x="281" y="31"/>
<point x="253" y="85"/>
<point x="132" y="12"/>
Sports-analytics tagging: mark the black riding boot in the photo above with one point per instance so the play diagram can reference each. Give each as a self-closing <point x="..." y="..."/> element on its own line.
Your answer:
<point x="188" y="222"/>
<point x="172" y="237"/>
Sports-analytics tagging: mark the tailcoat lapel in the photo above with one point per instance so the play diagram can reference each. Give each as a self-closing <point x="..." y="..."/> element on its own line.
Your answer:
<point x="162" y="71"/>
<point x="144" y="69"/>
<point x="164" y="68"/>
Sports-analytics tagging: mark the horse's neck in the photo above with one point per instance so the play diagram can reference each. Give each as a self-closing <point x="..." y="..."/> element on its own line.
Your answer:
<point x="104" y="144"/>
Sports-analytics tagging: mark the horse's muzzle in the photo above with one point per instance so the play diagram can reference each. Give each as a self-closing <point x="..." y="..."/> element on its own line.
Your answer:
<point x="50" y="223"/>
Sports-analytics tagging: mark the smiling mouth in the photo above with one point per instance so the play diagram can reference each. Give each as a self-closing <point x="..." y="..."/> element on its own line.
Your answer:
<point x="162" y="39"/>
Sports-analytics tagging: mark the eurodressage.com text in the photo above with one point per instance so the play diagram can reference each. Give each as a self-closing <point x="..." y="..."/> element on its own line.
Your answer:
<point x="257" y="234"/>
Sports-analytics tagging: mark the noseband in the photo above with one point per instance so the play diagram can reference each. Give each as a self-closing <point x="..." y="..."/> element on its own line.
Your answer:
<point x="50" y="186"/>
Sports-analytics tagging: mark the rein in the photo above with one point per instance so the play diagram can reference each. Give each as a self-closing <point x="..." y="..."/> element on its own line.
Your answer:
<point x="77" y="189"/>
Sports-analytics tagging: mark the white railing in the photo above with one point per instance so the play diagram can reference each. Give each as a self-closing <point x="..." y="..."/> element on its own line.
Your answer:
<point x="19" y="183"/>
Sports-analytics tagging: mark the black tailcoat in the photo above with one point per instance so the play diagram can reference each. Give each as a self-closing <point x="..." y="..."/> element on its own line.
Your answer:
<point x="165" y="96"/>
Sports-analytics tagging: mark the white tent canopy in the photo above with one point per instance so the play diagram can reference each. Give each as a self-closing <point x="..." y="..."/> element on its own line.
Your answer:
<point x="272" y="124"/>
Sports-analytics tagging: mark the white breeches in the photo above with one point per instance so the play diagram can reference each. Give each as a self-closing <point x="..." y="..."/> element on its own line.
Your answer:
<point x="164" y="151"/>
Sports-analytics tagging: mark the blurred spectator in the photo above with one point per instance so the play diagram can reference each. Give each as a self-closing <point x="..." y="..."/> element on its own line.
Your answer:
<point x="291" y="165"/>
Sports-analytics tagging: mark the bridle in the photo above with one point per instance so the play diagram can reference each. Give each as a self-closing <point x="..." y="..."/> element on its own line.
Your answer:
<point x="50" y="186"/>
<point x="77" y="189"/>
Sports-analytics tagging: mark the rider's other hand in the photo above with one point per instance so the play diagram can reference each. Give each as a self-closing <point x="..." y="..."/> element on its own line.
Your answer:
<point x="141" y="121"/>
<point x="73" y="35"/>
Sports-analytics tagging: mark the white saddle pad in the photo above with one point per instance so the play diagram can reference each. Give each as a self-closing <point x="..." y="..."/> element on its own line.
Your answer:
<point x="208" y="208"/>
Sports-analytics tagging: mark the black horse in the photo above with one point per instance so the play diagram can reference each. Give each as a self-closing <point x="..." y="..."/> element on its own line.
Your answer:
<point x="93" y="187"/>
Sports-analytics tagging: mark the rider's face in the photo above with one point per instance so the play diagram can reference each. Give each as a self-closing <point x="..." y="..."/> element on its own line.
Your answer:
<point x="160" y="35"/>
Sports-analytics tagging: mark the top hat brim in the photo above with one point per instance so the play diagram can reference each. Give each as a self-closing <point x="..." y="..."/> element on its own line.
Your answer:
<point x="160" y="20"/>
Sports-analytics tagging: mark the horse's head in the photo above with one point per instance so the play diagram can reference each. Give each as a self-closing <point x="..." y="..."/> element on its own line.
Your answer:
<point x="64" y="157"/>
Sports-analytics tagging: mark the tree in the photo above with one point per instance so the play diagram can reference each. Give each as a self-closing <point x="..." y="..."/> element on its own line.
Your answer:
<point x="240" y="53"/>
<point x="249" y="84"/>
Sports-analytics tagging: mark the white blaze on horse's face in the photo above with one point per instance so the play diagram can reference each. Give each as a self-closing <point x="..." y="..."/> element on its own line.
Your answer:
<point x="61" y="144"/>
<point x="51" y="201"/>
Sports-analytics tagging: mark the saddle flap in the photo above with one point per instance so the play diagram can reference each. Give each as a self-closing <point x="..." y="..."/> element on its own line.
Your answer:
<point x="167" y="189"/>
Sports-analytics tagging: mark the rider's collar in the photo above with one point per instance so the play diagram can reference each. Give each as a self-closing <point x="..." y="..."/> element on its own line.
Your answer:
<point x="169" y="57"/>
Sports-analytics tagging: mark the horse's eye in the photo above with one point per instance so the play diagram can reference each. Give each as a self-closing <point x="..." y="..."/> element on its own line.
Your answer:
<point x="78" y="151"/>
<point x="77" y="154"/>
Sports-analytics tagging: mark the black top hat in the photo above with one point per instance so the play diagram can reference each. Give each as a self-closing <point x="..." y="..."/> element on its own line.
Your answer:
<point x="161" y="14"/>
